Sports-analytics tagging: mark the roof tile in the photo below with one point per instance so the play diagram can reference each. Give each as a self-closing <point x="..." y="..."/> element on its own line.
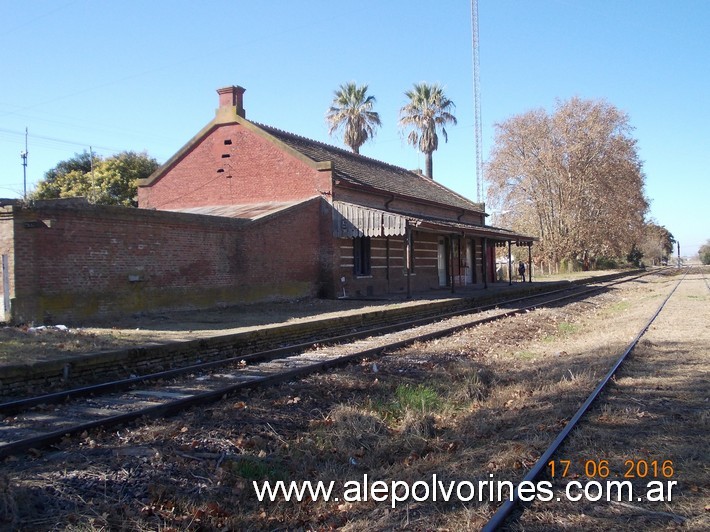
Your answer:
<point x="360" y="170"/>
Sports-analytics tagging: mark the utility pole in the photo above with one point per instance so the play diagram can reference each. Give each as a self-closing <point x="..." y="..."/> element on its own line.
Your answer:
<point x="23" y="155"/>
<point x="92" y="195"/>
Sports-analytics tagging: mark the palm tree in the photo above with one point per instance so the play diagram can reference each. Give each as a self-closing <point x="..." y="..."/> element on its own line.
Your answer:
<point x="428" y="109"/>
<point x="351" y="110"/>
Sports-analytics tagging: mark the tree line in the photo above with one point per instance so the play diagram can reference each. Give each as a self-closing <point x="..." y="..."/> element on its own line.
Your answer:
<point x="574" y="178"/>
<point x="571" y="177"/>
<point x="704" y="253"/>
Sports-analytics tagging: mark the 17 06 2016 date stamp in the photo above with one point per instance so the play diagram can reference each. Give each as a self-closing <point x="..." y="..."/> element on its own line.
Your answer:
<point x="602" y="468"/>
<point x="615" y="481"/>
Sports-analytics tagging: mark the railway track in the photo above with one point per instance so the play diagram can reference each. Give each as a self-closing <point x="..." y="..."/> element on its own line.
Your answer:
<point x="41" y="421"/>
<point x="705" y="278"/>
<point x="504" y="512"/>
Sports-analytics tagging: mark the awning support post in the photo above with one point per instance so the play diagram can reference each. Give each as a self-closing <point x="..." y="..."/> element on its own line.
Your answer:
<point x="530" y="262"/>
<point x="510" y="265"/>
<point x="451" y="262"/>
<point x="408" y="246"/>
<point x="484" y="265"/>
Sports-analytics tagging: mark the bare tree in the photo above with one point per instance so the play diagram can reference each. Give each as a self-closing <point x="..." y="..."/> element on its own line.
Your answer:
<point x="573" y="178"/>
<point x="656" y="244"/>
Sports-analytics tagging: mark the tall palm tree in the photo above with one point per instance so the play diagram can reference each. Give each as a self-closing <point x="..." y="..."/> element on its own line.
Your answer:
<point x="428" y="109"/>
<point x="351" y="111"/>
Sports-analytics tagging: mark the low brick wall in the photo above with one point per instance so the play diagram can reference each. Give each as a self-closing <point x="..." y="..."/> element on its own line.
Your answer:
<point x="73" y="261"/>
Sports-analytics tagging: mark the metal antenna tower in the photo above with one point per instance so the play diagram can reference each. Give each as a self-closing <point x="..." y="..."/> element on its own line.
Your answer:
<point x="477" y="101"/>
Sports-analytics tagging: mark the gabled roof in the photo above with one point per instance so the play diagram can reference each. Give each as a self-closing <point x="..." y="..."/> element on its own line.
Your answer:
<point x="359" y="170"/>
<point x="350" y="168"/>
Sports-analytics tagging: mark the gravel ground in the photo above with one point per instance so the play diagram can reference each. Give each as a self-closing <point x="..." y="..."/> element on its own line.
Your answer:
<point x="480" y="404"/>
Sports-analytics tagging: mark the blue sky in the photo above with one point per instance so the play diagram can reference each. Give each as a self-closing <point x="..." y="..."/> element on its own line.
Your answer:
<point x="136" y="75"/>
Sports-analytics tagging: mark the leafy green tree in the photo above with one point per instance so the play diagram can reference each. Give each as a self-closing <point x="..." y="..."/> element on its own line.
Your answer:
<point x="81" y="162"/>
<point x="112" y="181"/>
<point x="634" y="257"/>
<point x="351" y="111"/>
<point x="427" y="111"/>
<point x="704" y="253"/>
<point x="60" y="180"/>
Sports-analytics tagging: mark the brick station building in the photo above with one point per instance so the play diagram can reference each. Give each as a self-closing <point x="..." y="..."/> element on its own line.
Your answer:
<point x="245" y="212"/>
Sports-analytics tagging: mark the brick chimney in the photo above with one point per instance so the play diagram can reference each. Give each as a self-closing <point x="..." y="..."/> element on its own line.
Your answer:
<point x="232" y="97"/>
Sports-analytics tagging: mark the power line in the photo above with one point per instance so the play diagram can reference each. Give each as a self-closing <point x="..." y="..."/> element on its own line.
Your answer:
<point x="61" y="141"/>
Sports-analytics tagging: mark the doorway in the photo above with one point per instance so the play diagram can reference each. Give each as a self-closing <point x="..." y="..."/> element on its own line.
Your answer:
<point x="443" y="262"/>
<point x="470" y="264"/>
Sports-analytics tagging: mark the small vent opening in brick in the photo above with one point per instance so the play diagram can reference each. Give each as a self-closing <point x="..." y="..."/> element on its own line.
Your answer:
<point x="220" y="170"/>
<point x="228" y="142"/>
<point x="225" y="156"/>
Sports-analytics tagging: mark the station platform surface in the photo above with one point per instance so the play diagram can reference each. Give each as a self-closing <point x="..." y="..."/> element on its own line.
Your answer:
<point x="28" y="346"/>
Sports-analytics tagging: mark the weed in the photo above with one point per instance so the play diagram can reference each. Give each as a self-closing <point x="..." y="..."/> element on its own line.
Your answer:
<point x="251" y="468"/>
<point x="473" y="388"/>
<point x="566" y="328"/>
<point x="352" y="426"/>
<point x="421" y="398"/>
<point x="620" y="306"/>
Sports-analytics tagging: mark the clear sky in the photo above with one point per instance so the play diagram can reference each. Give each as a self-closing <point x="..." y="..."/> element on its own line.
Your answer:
<point x="141" y="75"/>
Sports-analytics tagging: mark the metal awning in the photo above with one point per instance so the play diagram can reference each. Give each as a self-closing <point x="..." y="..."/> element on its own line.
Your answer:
<point x="481" y="231"/>
<point x="351" y="221"/>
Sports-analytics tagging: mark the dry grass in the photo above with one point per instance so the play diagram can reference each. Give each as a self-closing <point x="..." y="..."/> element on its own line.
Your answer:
<point x="485" y="401"/>
<point x="656" y="411"/>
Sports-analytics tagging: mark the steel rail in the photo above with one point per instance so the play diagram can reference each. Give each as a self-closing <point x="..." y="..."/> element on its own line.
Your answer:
<point x="175" y="406"/>
<point x="508" y="506"/>
<point x="178" y="405"/>
<point x="19" y="405"/>
<point x="707" y="283"/>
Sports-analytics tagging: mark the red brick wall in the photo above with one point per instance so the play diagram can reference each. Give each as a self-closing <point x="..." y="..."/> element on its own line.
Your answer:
<point x="251" y="169"/>
<point x="86" y="262"/>
<point x="7" y="249"/>
<point x="388" y="266"/>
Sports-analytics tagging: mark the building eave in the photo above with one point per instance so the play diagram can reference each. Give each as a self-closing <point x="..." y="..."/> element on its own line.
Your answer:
<point x="397" y="196"/>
